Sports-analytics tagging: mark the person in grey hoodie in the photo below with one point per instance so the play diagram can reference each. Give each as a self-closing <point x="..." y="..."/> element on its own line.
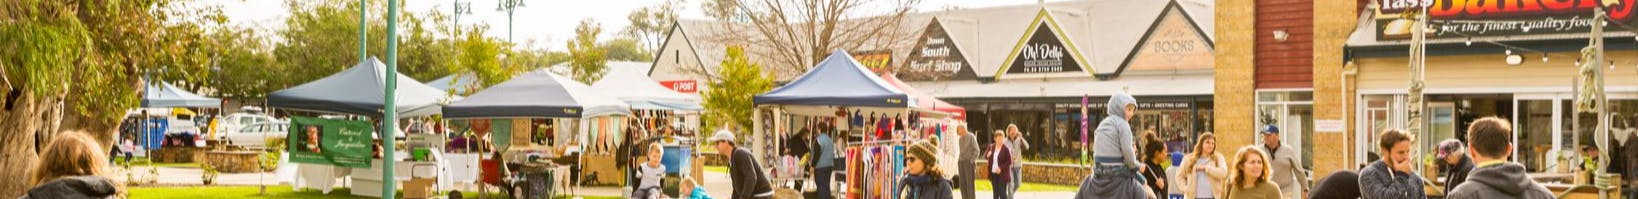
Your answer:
<point x="966" y="161"/>
<point x="1115" y="151"/>
<point x="1489" y="144"/>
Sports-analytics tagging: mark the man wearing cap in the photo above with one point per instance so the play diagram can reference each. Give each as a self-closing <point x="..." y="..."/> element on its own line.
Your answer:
<point x="1284" y="164"/>
<point x="749" y="181"/>
<point x="1454" y="163"/>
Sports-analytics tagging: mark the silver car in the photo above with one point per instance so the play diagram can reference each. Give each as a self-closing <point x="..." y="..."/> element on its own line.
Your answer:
<point x="256" y="135"/>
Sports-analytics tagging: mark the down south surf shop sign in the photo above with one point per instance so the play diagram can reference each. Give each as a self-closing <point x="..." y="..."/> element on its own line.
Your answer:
<point x="1044" y="49"/>
<point x="1461" y="18"/>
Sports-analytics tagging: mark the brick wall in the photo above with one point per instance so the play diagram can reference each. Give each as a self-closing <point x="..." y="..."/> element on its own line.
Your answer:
<point x="1233" y="98"/>
<point x="1333" y="22"/>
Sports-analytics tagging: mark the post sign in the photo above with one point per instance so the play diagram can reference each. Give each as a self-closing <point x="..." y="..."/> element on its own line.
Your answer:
<point x="1044" y="52"/>
<point x="1460" y="18"/>
<point x="345" y="143"/>
<point x="681" y="86"/>
<point x="876" y="60"/>
<point x="936" y="57"/>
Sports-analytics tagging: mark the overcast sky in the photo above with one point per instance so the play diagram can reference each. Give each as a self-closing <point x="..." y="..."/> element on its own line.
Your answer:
<point x="547" y="22"/>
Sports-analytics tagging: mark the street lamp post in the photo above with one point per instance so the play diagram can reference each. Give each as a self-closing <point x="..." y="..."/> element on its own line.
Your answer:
<point x="509" y="6"/>
<point x="363" y="30"/>
<point x="389" y="119"/>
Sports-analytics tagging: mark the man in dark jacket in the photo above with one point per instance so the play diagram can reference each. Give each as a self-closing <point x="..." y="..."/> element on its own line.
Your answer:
<point x="796" y="146"/>
<point x="1489" y="144"/>
<point x="1455" y="164"/>
<point x="748" y="180"/>
<point x="1394" y="176"/>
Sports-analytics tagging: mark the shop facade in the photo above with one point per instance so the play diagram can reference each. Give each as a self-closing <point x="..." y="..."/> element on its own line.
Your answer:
<point x="1532" y="81"/>
<point x="1028" y="65"/>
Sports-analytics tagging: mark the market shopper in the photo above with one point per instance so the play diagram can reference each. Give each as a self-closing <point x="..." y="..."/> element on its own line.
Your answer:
<point x="823" y="160"/>
<point x="1015" y="139"/>
<point x="1340" y="184"/>
<point x="796" y="146"/>
<point x="1204" y="170"/>
<point x="965" y="162"/>
<point x="1489" y="144"/>
<point x="71" y="166"/>
<point x="1000" y="159"/>
<point x="748" y="179"/>
<point x="1286" y="166"/>
<point x="1249" y="178"/>
<point x="1454" y="164"/>
<point x="1393" y="177"/>
<point x="1116" y="155"/>
<point x="923" y="179"/>
<point x="1154" y="159"/>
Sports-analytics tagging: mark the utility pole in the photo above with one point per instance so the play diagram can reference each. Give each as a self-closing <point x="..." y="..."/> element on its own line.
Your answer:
<point x="363" y="30"/>
<point x="389" y="112"/>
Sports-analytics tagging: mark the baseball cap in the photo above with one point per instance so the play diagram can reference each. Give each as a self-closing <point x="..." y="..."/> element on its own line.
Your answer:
<point x="722" y="135"/>
<point x="1270" y="129"/>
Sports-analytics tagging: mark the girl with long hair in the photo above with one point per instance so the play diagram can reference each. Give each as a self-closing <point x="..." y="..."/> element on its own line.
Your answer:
<point x="1203" y="170"/>
<point x="1249" y="178"/>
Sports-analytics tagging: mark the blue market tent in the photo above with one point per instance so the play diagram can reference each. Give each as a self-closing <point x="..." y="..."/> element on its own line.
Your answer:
<point x="633" y="86"/>
<point x="359" y="91"/>
<point x="164" y="95"/>
<point x="839" y="80"/>
<point x="537" y="94"/>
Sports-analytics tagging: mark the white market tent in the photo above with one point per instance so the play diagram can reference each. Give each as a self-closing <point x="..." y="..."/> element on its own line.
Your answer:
<point x="633" y="86"/>
<point x="164" y="95"/>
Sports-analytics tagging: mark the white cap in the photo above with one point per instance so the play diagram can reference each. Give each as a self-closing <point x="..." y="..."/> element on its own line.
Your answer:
<point x="722" y="135"/>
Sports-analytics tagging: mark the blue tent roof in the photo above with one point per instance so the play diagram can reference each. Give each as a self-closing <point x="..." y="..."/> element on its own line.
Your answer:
<point x="166" y="95"/>
<point x="837" y="81"/>
<point x="360" y="91"/>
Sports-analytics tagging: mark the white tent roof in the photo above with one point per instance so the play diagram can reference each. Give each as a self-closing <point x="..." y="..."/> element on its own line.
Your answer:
<point x="632" y="85"/>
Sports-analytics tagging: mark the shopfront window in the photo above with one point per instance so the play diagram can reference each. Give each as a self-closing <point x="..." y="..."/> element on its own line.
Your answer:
<point x="1293" y="113"/>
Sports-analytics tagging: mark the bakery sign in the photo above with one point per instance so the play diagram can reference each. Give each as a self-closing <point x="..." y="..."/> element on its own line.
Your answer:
<point x="936" y="57"/>
<point x="1460" y="18"/>
<point x="876" y="60"/>
<point x="1043" y="52"/>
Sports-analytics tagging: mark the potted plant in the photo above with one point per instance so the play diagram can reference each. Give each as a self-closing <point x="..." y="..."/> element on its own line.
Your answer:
<point x="210" y="174"/>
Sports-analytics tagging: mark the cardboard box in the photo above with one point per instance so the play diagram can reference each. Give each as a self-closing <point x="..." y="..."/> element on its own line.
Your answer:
<point x="419" y="187"/>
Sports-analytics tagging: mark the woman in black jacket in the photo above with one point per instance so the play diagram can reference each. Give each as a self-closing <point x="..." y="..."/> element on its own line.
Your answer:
<point x="924" y="180"/>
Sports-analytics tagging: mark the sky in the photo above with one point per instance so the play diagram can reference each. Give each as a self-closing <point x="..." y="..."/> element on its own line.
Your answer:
<point x="548" y="23"/>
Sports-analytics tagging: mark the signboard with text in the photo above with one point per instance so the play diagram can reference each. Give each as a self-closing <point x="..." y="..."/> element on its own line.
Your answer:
<point x="345" y="143"/>
<point x="1174" y="44"/>
<point x="681" y="86"/>
<point x="1043" y="52"/>
<point x="1460" y="18"/>
<point x="876" y="60"/>
<point x="936" y="57"/>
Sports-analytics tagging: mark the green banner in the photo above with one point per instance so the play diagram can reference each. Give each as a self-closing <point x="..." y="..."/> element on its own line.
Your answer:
<point x="344" y="143"/>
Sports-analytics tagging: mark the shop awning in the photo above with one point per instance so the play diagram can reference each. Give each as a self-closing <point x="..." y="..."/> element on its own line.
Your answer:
<point x="359" y="91"/>
<point x="837" y="81"/>
<point x="537" y="94"/>
<point x="925" y="101"/>
<point x="1137" y="85"/>
<point x="634" y="87"/>
<point x="167" y="95"/>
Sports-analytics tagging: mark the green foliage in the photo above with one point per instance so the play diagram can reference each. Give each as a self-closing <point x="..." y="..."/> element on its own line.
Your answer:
<point x="729" y="99"/>
<point x="244" y="65"/>
<point x="478" y="55"/>
<point x="586" y="62"/>
<point x="321" y="38"/>
<point x="625" y="49"/>
<point x="650" y="24"/>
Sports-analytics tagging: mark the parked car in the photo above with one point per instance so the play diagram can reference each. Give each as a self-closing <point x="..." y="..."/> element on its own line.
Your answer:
<point x="233" y="122"/>
<point x="256" y="135"/>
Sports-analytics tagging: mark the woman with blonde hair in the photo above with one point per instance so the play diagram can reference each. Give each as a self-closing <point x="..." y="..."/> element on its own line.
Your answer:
<point x="1203" y="170"/>
<point x="71" y="166"/>
<point x="1249" y="178"/>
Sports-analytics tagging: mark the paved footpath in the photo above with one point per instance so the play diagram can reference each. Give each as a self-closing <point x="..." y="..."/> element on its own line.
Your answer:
<point x="716" y="183"/>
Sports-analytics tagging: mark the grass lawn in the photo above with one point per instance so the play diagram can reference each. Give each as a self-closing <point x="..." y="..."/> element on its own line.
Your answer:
<point x="273" y="192"/>
<point x="143" y="162"/>
<point x="981" y="184"/>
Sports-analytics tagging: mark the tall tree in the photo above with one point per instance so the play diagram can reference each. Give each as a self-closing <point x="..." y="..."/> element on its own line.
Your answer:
<point x="798" y="33"/>
<point x="729" y="101"/>
<point x="586" y="62"/>
<point x="321" y="38"/>
<point x="479" y="57"/>
<point x="243" y="65"/>
<point x="650" y="24"/>
<point x="625" y="49"/>
<point x="78" y="65"/>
